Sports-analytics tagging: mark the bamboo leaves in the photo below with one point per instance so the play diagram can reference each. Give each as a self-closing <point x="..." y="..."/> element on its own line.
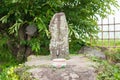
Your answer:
<point x="82" y="14"/>
<point x="14" y="28"/>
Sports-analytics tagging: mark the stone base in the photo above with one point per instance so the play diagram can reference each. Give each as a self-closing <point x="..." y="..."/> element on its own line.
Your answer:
<point x="77" y="68"/>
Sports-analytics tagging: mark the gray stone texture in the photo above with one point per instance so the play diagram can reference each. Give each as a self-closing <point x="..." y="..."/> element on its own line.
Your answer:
<point x="92" y="51"/>
<point x="59" y="47"/>
<point x="78" y="68"/>
<point x="30" y="30"/>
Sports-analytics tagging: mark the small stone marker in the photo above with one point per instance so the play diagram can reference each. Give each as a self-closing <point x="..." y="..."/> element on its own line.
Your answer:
<point x="59" y="47"/>
<point x="59" y="63"/>
<point x="30" y="30"/>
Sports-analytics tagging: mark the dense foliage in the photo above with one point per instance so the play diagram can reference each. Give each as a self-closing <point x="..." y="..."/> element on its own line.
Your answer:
<point x="108" y="69"/>
<point x="15" y="15"/>
<point x="9" y="74"/>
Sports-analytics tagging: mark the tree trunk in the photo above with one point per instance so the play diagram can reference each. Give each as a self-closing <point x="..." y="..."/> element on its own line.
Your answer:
<point x="23" y="50"/>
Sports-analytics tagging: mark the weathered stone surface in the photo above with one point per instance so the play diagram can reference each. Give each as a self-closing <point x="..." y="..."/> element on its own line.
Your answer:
<point x="78" y="68"/>
<point x="64" y="74"/>
<point x="54" y="74"/>
<point x="74" y="76"/>
<point x="30" y="30"/>
<point x="92" y="51"/>
<point x="59" y="47"/>
<point x="33" y="60"/>
<point x="66" y="78"/>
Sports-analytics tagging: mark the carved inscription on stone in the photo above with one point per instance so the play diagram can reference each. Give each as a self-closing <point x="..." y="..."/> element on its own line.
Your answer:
<point x="59" y="47"/>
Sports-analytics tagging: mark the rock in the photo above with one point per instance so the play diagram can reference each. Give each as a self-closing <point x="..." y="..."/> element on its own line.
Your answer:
<point x="64" y="74"/>
<point x="88" y="75"/>
<point x="54" y="74"/>
<point x="118" y="64"/>
<point x="59" y="45"/>
<point x="44" y="78"/>
<point x="92" y="51"/>
<point x="31" y="57"/>
<point x="66" y="78"/>
<point x="74" y="76"/>
<point x="30" y="30"/>
<point x="33" y="60"/>
<point x="78" y="68"/>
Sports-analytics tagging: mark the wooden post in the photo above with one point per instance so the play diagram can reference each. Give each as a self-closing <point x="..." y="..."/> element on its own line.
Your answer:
<point x="114" y="32"/>
<point x="108" y="34"/>
<point x="102" y="31"/>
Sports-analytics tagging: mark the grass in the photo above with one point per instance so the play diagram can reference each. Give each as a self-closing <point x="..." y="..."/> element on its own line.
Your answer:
<point x="106" y="71"/>
<point x="106" y="43"/>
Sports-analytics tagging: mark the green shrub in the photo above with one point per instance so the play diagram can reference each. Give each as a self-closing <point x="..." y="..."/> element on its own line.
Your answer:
<point x="76" y="45"/>
<point x="9" y="74"/>
<point x="117" y="56"/>
<point x="106" y="71"/>
<point x="113" y="56"/>
<point x="5" y="53"/>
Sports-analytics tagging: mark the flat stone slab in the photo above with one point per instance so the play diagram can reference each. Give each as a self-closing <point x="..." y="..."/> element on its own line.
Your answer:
<point x="45" y="60"/>
<point x="78" y="68"/>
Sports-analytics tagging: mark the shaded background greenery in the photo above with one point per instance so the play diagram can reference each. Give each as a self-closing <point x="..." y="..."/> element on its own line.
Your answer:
<point x="15" y="14"/>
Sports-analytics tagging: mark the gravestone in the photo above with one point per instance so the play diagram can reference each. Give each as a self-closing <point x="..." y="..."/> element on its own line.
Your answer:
<point x="59" y="46"/>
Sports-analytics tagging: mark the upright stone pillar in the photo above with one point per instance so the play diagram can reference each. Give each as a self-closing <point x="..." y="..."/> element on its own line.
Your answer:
<point x="59" y="45"/>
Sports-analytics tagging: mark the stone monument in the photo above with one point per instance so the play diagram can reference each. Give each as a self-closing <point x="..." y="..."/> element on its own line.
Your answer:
<point x="59" y="45"/>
